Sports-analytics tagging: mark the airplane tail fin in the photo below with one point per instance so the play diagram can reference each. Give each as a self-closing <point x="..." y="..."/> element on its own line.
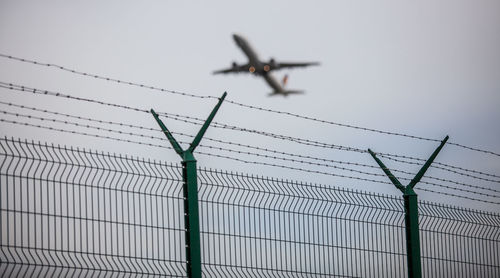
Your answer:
<point x="285" y="80"/>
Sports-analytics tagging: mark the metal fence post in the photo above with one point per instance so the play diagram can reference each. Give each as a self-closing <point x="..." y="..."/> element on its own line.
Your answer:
<point x="411" y="211"/>
<point x="190" y="191"/>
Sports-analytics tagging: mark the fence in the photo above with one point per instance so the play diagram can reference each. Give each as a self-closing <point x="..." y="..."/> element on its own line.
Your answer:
<point x="68" y="211"/>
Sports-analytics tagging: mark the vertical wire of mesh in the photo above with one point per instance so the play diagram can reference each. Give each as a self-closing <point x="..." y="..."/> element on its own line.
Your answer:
<point x="260" y="227"/>
<point x="458" y="242"/>
<point x="75" y="212"/>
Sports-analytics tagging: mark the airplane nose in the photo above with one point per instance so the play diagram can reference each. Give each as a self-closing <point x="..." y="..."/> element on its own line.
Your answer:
<point x="236" y="37"/>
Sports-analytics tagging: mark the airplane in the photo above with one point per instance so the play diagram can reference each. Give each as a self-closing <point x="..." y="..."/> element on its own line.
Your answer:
<point x="264" y="69"/>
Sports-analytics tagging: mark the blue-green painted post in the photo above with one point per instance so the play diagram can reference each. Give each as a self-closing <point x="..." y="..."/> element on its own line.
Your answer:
<point x="190" y="191"/>
<point x="411" y="211"/>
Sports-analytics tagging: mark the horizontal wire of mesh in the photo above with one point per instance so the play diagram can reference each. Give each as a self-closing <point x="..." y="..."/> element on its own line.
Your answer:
<point x="259" y="227"/>
<point x="458" y="242"/>
<point x="69" y="212"/>
<point x="74" y="212"/>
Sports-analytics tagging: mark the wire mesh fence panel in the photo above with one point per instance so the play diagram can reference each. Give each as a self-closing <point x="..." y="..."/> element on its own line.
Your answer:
<point x="459" y="242"/>
<point x="259" y="227"/>
<point x="74" y="212"/>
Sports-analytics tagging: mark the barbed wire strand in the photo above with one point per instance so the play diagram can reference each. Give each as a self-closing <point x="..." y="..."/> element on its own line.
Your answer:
<point x="239" y="152"/>
<point x="319" y="172"/>
<point x="121" y="124"/>
<point x="104" y="77"/>
<point x="199" y="121"/>
<point x="344" y="148"/>
<point x="21" y="88"/>
<point x="238" y="159"/>
<point x="144" y="86"/>
<point x="182" y="142"/>
<point x="140" y="142"/>
<point x="438" y="166"/>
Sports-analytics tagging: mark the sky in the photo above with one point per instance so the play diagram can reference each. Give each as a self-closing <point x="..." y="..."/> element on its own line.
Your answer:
<point x="428" y="69"/>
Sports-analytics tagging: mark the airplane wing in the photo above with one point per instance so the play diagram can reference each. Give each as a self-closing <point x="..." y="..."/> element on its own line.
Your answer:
<point x="278" y="89"/>
<point x="295" y="65"/>
<point x="234" y="69"/>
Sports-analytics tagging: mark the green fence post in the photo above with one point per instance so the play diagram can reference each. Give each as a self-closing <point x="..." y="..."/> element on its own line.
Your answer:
<point x="411" y="211"/>
<point x="190" y="191"/>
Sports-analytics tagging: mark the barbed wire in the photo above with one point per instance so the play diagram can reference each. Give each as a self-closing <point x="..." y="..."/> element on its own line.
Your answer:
<point x="163" y="139"/>
<point x="361" y="172"/>
<point x="83" y="133"/>
<point x="230" y="143"/>
<point x="437" y="166"/>
<point x="361" y="128"/>
<point x="458" y="196"/>
<point x="139" y="85"/>
<point x="21" y="88"/>
<point x="395" y="157"/>
<point x="352" y="163"/>
<point x="78" y="117"/>
<point x="344" y="148"/>
<point x="239" y="152"/>
<point x="136" y="142"/>
<point x="320" y="172"/>
<point x="81" y="125"/>
<point x="238" y="159"/>
<point x="199" y="121"/>
<point x="144" y="86"/>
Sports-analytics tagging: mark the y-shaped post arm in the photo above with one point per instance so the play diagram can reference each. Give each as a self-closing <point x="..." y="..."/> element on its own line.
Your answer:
<point x="411" y="211"/>
<point x="190" y="190"/>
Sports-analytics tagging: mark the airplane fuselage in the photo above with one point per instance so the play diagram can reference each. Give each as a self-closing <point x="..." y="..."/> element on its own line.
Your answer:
<point x="255" y="65"/>
<point x="261" y="68"/>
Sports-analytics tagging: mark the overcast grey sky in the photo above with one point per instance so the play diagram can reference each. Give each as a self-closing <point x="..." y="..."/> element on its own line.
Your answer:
<point x="430" y="68"/>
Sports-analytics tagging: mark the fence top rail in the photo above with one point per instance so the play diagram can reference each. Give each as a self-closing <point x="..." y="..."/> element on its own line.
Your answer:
<point x="459" y="214"/>
<point x="82" y="150"/>
<point x="438" y="209"/>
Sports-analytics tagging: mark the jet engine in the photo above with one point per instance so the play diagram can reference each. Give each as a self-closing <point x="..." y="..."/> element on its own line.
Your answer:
<point x="270" y="66"/>
<point x="272" y="63"/>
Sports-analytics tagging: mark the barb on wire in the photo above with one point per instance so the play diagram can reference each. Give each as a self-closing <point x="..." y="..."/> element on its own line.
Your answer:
<point x="198" y="121"/>
<point x="163" y="139"/>
<point x="136" y="142"/>
<point x="96" y="76"/>
<point x="223" y="156"/>
<point x="109" y="79"/>
<point x="337" y="147"/>
<point x="446" y="169"/>
<point x="342" y="176"/>
<point x="82" y="133"/>
<point x="21" y="88"/>
<point x="230" y="143"/>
